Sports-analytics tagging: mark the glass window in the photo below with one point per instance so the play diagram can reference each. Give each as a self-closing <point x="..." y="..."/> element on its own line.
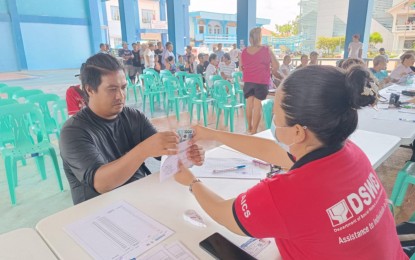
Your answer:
<point x="409" y="44"/>
<point x="201" y="29"/>
<point x="210" y="29"/>
<point x="147" y="15"/>
<point x="115" y="13"/>
<point x="217" y="29"/>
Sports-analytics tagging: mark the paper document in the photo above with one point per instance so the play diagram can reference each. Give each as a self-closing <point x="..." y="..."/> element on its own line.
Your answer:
<point x="254" y="246"/>
<point x="169" y="165"/>
<point x="118" y="232"/>
<point x="175" y="251"/>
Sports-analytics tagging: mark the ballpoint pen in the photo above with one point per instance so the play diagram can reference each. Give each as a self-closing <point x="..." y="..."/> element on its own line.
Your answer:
<point x="230" y="169"/>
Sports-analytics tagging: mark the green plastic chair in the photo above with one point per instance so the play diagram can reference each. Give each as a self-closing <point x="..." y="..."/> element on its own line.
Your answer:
<point x="6" y="131"/>
<point x="26" y="93"/>
<point x="130" y="85"/>
<point x="267" y="108"/>
<point x="199" y="98"/>
<point x="43" y="101"/>
<point x="237" y="79"/>
<point x="151" y="90"/>
<point x="155" y="74"/>
<point x="60" y="112"/>
<point x="165" y="73"/>
<point x="224" y="94"/>
<point x="25" y="146"/>
<point x="174" y="95"/>
<point x="404" y="177"/>
<point x="213" y="79"/>
<point x="181" y="76"/>
<point x="9" y="91"/>
<point x="3" y="85"/>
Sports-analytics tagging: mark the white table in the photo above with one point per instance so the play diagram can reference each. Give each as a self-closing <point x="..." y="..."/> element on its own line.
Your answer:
<point x="377" y="147"/>
<point x="164" y="201"/>
<point x="387" y="121"/>
<point x="24" y="243"/>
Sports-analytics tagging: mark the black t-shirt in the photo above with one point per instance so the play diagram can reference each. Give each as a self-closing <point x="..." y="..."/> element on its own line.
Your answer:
<point x="159" y="53"/>
<point x="136" y="59"/>
<point x="88" y="142"/>
<point x="125" y="52"/>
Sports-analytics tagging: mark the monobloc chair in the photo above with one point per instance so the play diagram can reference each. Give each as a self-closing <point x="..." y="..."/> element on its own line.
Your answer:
<point x="9" y="91"/>
<point x="404" y="177"/>
<point x="237" y="79"/>
<point x="44" y="101"/>
<point x="267" y="106"/>
<point x="174" y="95"/>
<point x="25" y="146"/>
<point x="150" y="90"/>
<point x="60" y="112"/>
<point x="224" y="94"/>
<point x="23" y="94"/>
<point x="131" y="85"/>
<point x="199" y="98"/>
<point x="165" y="73"/>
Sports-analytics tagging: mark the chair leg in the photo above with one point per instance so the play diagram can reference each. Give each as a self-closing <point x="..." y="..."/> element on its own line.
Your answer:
<point x="198" y="111"/>
<point x="205" y="113"/>
<point x="191" y="111"/>
<point x="144" y="103"/>
<point x="231" y="117"/>
<point x="218" y="112"/>
<point x="135" y="94"/>
<point x="40" y="163"/>
<point x="402" y="193"/>
<point x="226" y="118"/>
<point x="56" y="166"/>
<point x="400" y="177"/>
<point x="9" y="161"/>
<point x="177" y="107"/>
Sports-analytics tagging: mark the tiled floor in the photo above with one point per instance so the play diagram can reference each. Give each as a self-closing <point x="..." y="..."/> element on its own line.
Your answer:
<point x="37" y="199"/>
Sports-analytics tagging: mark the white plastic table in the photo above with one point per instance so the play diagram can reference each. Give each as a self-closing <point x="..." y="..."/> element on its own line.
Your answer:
<point x="387" y="121"/>
<point x="24" y="243"/>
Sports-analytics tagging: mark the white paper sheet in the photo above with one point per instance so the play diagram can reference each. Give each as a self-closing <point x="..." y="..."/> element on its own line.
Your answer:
<point x="120" y="231"/>
<point x="254" y="246"/>
<point x="169" y="164"/>
<point x="174" y="251"/>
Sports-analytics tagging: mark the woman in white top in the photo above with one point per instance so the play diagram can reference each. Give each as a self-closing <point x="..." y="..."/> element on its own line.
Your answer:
<point x="286" y="67"/>
<point x="403" y="69"/>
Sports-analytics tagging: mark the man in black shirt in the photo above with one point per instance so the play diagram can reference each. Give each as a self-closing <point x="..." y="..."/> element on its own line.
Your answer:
<point x="159" y="52"/>
<point x="105" y="144"/>
<point x="136" y="59"/>
<point x="127" y="57"/>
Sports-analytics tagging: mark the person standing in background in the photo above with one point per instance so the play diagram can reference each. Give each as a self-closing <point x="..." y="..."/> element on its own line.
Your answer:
<point x="219" y="52"/>
<point x="355" y="47"/>
<point x="159" y="52"/>
<point x="235" y="53"/>
<point x="136" y="60"/>
<point x="127" y="57"/>
<point x="313" y="58"/>
<point x="149" y="56"/>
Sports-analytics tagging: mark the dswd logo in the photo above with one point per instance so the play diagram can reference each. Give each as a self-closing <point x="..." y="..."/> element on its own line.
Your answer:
<point x="339" y="213"/>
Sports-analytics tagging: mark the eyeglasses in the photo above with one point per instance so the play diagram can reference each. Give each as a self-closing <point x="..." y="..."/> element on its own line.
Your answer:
<point x="274" y="169"/>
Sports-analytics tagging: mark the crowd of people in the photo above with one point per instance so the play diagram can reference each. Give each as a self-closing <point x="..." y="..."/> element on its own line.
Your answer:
<point x="104" y="146"/>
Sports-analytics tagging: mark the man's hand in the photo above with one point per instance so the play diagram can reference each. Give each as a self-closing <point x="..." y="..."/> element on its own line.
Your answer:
<point x="162" y="143"/>
<point x="202" y="133"/>
<point x="196" y="154"/>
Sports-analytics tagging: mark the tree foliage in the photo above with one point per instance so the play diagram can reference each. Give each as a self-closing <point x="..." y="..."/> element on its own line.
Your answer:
<point x="329" y="44"/>
<point x="375" y="38"/>
<point x="288" y="29"/>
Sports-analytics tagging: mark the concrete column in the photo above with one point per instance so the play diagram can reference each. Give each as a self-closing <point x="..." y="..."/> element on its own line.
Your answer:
<point x="17" y="35"/>
<point x="130" y="21"/>
<point x="223" y="24"/>
<point x="245" y="20"/>
<point x="359" y="19"/>
<point x="163" y="17"/>
<point x="177" y="12"/>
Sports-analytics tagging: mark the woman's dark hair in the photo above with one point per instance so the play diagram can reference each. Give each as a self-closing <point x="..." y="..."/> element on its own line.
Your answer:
<point x="326" y="99"/>
<point x="347" y="63"/>
<point x="97" y="66"/>
<point x="406" y="56"/>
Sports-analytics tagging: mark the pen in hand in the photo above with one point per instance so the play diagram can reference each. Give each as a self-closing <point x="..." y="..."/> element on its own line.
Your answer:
<point x="230" y="169"/>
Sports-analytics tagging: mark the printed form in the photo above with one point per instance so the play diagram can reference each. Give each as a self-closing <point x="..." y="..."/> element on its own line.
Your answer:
<point x="118" y="232"/>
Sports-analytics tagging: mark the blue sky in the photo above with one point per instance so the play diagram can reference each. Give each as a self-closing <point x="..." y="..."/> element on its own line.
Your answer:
<point x="279" y="11"/>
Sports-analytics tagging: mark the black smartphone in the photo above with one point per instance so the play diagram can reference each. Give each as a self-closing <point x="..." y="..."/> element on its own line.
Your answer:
<point x="222" y="249"/>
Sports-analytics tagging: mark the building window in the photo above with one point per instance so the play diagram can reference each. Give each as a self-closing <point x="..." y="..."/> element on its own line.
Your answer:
<point x="115" y="13"/>
<point x="147" y="15"/>
<point x="216" y="30"/>
<point x="201" y="29"/>
<point x="409" y="44"/>
<point x="210" y="29"/>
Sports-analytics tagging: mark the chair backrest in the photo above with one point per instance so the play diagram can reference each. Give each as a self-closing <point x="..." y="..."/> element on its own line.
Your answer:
<point x="197" y="77"/>
<point x="155" y="74"/>
<point x="237" y="78"/>
<point x="165" y="73"/>
<point x="60" y="112"/>
<point x="5" y="102"/>
<point x="18" y="115"/>
<point x="223" y="92"/>
<point x="214" y="78"/>
<point x="3" y="85"/>
<point x="147" y="82"/>
<point x="26" y="93"/>
<point x="267" y="107"/>
<point x="9" y="91"/>
<point x="172" y="86"/>
<point x="43" y="101"/>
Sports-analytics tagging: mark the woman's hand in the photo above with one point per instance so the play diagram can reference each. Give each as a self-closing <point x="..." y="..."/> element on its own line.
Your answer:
<point x="202" y="133"/>
<point x="184" y="176"/>
<point x="196" y="154"/>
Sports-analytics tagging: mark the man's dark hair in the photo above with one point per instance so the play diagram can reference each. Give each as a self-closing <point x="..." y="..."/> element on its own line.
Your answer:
<point x="382" y="49"/>
<point x="200" y="56"/>
<point x="102" y="45"/>
<point x="170" y="58"/>
<point x="212" y="57"/>
<point x="168" y="44"/>
<point x="97" y="66"/>
<point x="227" y="56"/>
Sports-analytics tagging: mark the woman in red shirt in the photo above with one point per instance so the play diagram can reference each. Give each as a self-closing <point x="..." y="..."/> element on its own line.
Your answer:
<point x="256" y="63"/>
<point x="330" y="204"/>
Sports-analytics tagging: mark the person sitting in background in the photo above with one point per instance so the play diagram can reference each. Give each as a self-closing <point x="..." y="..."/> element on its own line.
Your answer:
<point x="347" y="63"/>
<point x="329" y="179"/>
<point x="188" y="67"/>
<point x="157" y="66"/>
<point x="313" y="58"/>
<point x="206" y="61"/>
<point x="379" y="69"/>
<point x="383" y="53"/>
<point x="211" y="69"/>
<point x="413" y="53"/>
<point x="304" y="61"/>
<point x="104" y="145"/>
<point x="286" y="67"/>
<point x="170" y="65"/>
<point x="103" y="48"/>
<point x="200" y="69"/>
<point x="403" y="70"/>
<point x="76" y="99"/>
<point x="227" y="67"/>
<point x="181" y="63"/>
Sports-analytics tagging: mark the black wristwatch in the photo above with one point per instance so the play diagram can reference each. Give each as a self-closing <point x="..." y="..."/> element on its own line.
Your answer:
<point x="191" y="184"/>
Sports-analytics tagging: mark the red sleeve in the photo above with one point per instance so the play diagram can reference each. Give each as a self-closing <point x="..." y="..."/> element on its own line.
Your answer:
<point x="256" y="214"/>
<point x="73" y="100"/>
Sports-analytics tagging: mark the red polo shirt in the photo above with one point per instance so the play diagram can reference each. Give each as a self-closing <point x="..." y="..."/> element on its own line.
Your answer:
<point x="330" y="205"/>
